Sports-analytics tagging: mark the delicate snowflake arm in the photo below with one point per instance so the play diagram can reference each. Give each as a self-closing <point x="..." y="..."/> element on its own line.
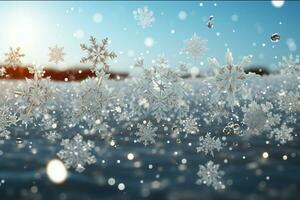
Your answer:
<point x="213" y="62"/>
<point x="229" y="58"/>
<point x="245" y="61"/>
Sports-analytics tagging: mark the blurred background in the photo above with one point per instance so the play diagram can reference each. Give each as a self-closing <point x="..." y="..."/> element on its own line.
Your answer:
<point x="244" y="27"/>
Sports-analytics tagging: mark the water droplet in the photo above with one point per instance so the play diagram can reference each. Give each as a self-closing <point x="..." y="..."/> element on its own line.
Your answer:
<point x="175" y="130"/>
<point x="275" y="37"/>
<point x="19" y="140"/>
<point x="178" y="141"/>
<point x="236" y="127"/>
<point x="210" y="22"/>
<point x="228" y="130"/>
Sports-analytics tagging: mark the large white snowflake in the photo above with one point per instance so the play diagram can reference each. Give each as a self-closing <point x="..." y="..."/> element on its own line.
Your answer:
<point x="98" y="55"/>
<point x="259" y="117"/>
<point x="146" y="133"/>
<point x="144" y="16"/>
<point x="36" y="91"/>
<point x="162" y="88"/>
<point x="282" y="134"/>
<point x="77" y="153"/>
<point x="210" y="175"/>
<point x="56" y="54"/>
<point x="13" y="57"/>
<point x="195" y="46"/>
<point x="208" y="144"/>
<point x="230" y="78"/>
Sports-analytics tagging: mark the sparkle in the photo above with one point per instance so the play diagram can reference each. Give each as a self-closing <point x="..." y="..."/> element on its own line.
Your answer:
<point x="56" y="171"/>
<point x="265" y="155"/>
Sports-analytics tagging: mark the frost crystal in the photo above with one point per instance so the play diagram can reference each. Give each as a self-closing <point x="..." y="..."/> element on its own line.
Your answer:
<point x="97" y="54"/>
<point x="146" y="133"/>
<point x="282" y="134"/>
<point x="190" y="125"/>
<point x="139" y="62"/>
<point x="230" y="78"/>
<point x="13" y="57"/>
<point x="144" y="16"/>
<point x="215" y="112"/>
<point x="77" y="153"/>
<point x="289" y="101"/>
<point x="208" y="144"/>
<point x="259" y="118"/>
<point x="290" y="65"/>
<point x="210" y="175"/>
<point x="52" y="136"/>
<point x="6" y="120"/>
<point x="195" y="46"/>
<point x="56" y="54"/>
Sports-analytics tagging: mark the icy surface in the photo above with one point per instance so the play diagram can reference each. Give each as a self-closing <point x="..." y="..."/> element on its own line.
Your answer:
<point x="115" y="132"/>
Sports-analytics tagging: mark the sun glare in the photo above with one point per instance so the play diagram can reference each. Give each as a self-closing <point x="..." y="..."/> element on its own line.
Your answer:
<point x="56" y="171"/>
<point x="22" y="30"/>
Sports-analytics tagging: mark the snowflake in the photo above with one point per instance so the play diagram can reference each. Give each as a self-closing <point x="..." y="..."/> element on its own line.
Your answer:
<point x="208" y="144"/>
<point x="259" y="118"/>
<point x="162" y="88"/>
<point x="77" y="153"/>
<point x="183" y="68"/>
<point x="144" y="16"/>
<point x="56" y="54"/>
<point x="146" y="133"/>
<point x="290" y="65"/>
<point x="289" y="101"/>
<point x="92" y="100"/>
<point x="195" y="46"/>
<point x="6" y="120"/>
<point x="49" y="122"/>
<point x="100" y="128"/>
<point x="230" y="78"/>
<point x="52" y="136"/>
<point x="36" y="91"/>
<point x="139" y="62"/>
<point x="98" y="54"/>
<point x="190" y="125"/>
<point x="215" y="112"/>
<point x="282" y="134"/>
<point x="210" y="175"/>
<point x="13" y="57"/>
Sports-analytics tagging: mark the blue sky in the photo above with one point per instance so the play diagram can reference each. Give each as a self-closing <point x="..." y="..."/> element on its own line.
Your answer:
<point x="35" y="26"/>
